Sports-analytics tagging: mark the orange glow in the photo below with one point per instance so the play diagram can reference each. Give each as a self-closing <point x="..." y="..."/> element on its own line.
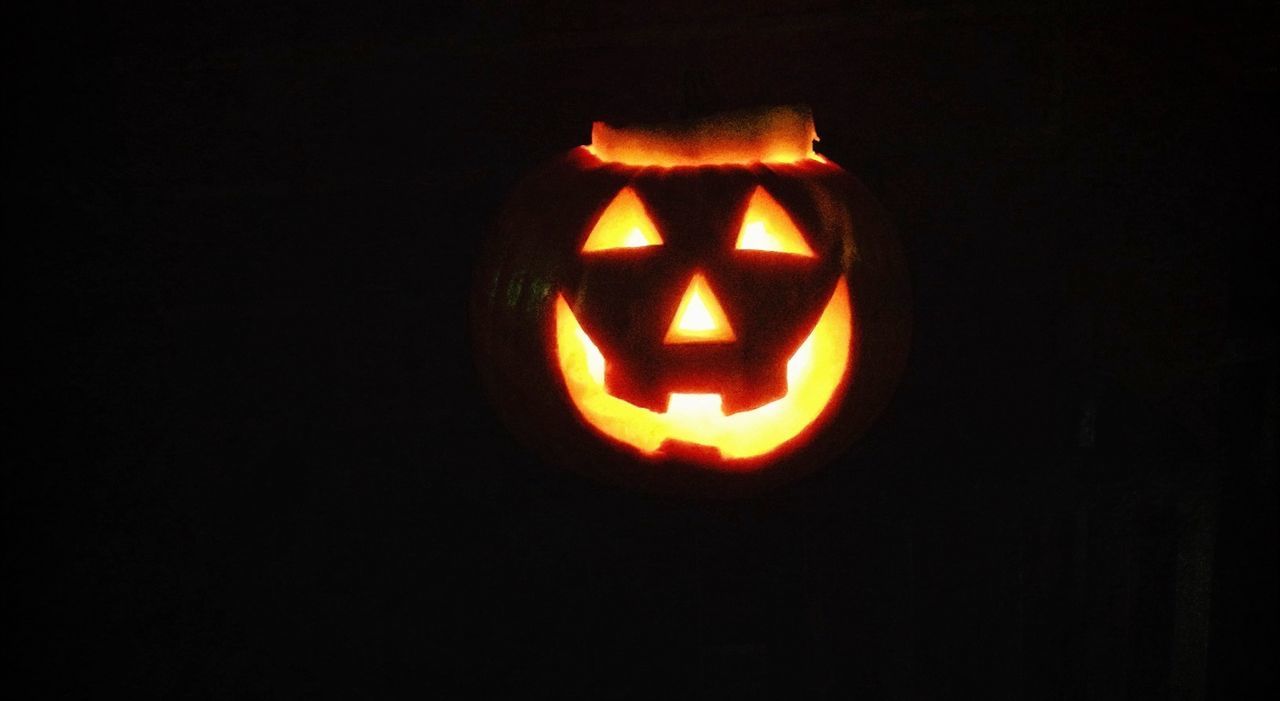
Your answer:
<point x="814" y="374"/>
<point x="624" y="224"/>
<point x="699" y="318"/>
<point x="768" y="227"/>
<point x="775" y="135"/>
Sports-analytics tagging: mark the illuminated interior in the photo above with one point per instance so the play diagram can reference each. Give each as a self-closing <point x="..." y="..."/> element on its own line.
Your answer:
<point x="699" y="318"/>
<point x="768" y="227"/>
<point x="774" y="135"/>
<point x="814" y="374"/>
<point x="624" y="224"/>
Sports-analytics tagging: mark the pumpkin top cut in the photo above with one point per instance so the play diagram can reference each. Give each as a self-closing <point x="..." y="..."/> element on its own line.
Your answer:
<point x="772" y="135"/>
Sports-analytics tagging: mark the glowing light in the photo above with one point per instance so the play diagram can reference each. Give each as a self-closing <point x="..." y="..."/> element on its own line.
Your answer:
<point x="594" y="358"/>
<point x="623" y="224"/>
<point x="693" y="407"/>
<point x="775" y="135"/>
<point x="636" y="239"/>
<point x="814" y="375"/>
<point x="767" y="227"/>
<point x="696" y="317"/>
<point x="756" y="236"/>
<point x="699" y="318"/>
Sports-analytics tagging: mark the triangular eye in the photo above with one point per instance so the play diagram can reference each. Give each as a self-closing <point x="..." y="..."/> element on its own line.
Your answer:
<point x="624" y="224"/>
<point x="768" y="227"/>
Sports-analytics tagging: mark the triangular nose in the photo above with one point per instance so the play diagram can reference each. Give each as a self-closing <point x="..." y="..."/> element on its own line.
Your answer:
<point x="699" y="318"/>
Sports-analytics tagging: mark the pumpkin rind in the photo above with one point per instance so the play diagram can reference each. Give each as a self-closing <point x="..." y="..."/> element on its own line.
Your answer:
<point x="625" y="300"/>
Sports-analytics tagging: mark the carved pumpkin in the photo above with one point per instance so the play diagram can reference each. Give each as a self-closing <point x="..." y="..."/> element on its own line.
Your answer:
<point x="707" y="306"/>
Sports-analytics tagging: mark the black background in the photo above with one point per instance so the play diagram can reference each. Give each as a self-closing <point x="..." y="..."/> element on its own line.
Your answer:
<point x="256" y="462"/>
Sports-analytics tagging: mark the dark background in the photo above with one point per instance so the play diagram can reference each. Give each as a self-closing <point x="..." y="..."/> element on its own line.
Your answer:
<point x="256" y="461"/>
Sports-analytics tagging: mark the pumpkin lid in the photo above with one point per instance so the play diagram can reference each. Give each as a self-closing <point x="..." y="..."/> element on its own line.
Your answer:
<point x="780" y="134"/>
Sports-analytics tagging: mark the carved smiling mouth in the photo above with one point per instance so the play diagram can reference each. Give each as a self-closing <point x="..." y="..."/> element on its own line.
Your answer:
<point x="815" y="373"/>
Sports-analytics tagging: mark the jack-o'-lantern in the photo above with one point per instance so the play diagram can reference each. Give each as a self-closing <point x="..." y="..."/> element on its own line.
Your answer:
<point x="707" y="306"/>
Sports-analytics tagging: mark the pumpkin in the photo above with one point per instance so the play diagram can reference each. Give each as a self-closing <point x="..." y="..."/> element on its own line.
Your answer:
<point x="700" y="307"/>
